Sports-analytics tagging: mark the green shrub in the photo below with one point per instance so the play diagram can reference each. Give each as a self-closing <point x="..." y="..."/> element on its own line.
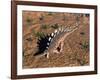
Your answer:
<point x="83" y="62"/>
<point x="29" y="21"/>
<point x="49" y="13"/>
<point x="44" y="26"/>
<point x="39" y="34"/>
<point x="84" y="45"/>
<point x="55" y="26"/>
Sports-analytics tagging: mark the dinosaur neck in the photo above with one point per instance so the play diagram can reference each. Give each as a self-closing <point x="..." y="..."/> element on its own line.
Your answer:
<point x="68" y="33"/>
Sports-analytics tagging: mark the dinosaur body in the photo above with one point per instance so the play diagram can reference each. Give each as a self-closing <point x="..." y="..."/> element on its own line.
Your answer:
<point x="56" y="40"/>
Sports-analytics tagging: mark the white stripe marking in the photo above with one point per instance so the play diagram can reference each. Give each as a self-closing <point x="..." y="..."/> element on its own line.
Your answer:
<point x="55" y="31"/>
<point x="52" y="34"/>
<point x="49" y="38"/>
<point x="47" y="43"/>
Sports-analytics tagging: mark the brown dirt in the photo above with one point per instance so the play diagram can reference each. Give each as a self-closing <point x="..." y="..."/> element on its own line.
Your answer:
<point x="75" y="52"/>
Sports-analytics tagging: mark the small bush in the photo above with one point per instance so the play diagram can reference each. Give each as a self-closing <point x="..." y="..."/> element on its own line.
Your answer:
<point x="55" y="26"/>
<point x="29" y="21"/>
<point x="83" y="62"/>
<point x="39" y="34"/>
<point x="44" y="26"/>
<point x="84" y="45"/>
<point x="49" y="13"/>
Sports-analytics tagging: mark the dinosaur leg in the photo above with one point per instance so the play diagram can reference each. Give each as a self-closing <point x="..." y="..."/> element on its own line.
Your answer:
<point x="61" y="45"/>
<point x="47" y="56"/>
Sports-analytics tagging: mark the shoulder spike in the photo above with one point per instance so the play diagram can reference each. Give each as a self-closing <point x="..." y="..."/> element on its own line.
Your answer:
<point x="47" y="43"/>
<point x="49" y="38"/>
<point x="52" y="34"/>
<point x="55" y="31"/>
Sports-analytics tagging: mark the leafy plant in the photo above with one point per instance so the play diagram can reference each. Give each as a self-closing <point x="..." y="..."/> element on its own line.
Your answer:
<point x="29" y="21"/>
<point x="83" y="62"/>
<point x="44" y="26"/>
<point x="84" y="45"/>
<point x="49" y="13"/>
<point x="55" y="26"/>
<point x="39" y="34"/>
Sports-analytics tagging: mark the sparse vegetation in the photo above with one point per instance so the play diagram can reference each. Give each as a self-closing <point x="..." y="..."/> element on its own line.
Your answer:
<point x="44" y="26"/>
<point x="37" y="34"/>
<point x="49" y="13"/>
<point x="82" y="62"/>
<point x="39" y="24"/>
<point x="41" y="17"/>
<point x="55" y="26"/>
<point x="29" y="21"/>
<point x="82" y="33"/>
<point x="64" y="17"/>
<point x="84" y="45"/>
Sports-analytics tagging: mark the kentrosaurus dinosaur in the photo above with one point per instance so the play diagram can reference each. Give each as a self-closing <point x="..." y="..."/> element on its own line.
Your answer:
<point x="55" y="41"/>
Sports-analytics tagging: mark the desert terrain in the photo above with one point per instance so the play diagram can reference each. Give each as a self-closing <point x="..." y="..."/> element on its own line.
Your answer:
<point x="76" y="45"/>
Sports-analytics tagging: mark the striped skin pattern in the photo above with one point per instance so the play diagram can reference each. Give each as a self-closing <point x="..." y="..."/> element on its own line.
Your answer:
<point x="54" y="42"/>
